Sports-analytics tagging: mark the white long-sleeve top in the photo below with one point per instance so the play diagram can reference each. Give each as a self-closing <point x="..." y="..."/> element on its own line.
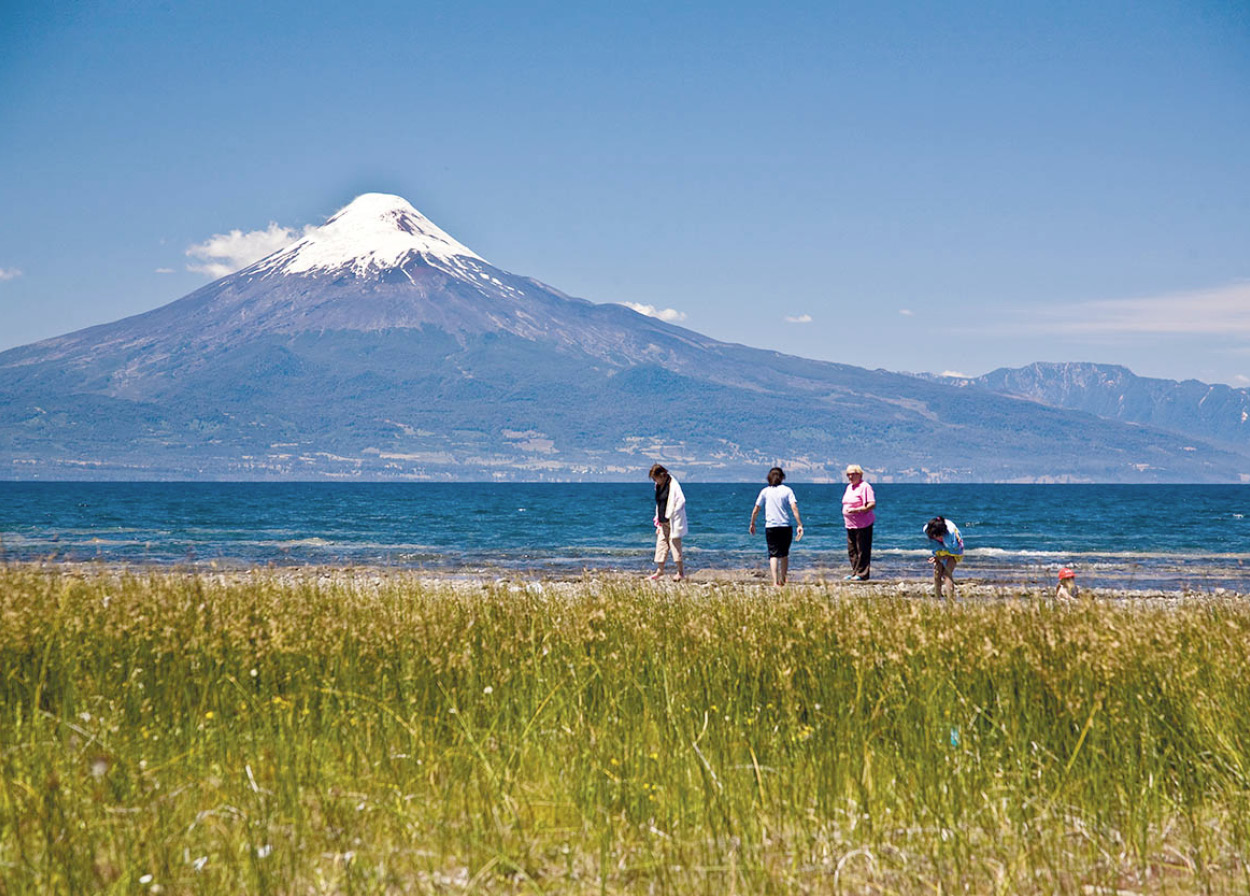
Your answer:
<point x="675" y="510"/>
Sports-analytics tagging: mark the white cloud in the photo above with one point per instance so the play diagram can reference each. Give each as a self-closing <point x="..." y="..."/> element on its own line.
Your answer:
<point x="1241" y="379"/>
<point x="9" y="273"/>
<point x="1222" y="311"/>
<point x="225" y="253"/>
<point x="671" y="315"/>
<point x="800" y="319"/>
<point x="164" y="270"/>
<point x="906" y="312"/>
<point x="955" y="373"/>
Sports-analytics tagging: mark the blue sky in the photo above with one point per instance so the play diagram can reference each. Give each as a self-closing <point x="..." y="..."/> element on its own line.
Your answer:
<point x="916" y="186"/>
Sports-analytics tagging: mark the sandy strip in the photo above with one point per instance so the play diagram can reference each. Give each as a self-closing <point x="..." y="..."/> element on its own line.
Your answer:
<point x="830" y="581"/>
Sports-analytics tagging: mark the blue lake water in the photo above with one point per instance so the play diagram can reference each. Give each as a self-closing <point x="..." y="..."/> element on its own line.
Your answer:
<point x="1155" y="536"/>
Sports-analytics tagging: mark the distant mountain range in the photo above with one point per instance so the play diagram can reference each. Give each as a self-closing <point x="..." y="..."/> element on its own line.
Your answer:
<point x="379" y="347"/>
<point x="1215" y="413"/>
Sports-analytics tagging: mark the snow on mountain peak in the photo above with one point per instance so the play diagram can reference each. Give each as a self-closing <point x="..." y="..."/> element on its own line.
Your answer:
<point x="375" y="231"/>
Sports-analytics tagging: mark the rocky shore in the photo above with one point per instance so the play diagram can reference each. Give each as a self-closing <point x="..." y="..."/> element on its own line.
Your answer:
<point x="830" y="581"/>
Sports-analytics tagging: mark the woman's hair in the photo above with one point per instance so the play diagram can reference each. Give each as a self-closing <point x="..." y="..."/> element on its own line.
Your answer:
<point x="776" y="476"/>
<point x="935" y="528"/>
<point x="659" y="474"/>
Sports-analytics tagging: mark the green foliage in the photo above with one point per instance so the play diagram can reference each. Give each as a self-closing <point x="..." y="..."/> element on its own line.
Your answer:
<point x="310" y="733"/>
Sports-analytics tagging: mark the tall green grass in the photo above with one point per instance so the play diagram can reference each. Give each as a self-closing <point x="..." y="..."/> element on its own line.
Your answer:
<point x="187" y="734"/>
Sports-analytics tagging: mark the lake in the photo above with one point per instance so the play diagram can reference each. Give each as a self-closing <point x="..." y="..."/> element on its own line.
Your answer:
<point x="1138" y="536"/>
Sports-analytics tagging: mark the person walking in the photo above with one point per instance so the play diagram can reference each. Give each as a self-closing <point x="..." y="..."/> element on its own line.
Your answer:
<point x="670" y="522"/>
<point x="778" y="502"/>
<point x="858" y="503"/>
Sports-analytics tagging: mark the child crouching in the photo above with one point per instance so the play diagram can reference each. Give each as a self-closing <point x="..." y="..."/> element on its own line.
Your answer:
<point x="948" y="547"/>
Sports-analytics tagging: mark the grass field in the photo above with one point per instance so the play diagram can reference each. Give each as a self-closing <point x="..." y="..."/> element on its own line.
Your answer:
<point x="368" y="734"/>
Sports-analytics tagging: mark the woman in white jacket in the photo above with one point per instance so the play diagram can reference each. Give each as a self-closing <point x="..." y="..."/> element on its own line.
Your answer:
<point x="670" y="522"/>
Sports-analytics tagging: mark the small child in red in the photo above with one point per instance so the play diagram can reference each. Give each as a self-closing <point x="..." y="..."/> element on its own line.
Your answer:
<point x="1067" y="589"/>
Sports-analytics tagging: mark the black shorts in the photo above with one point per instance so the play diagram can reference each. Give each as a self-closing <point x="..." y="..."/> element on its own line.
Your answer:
<point x="779" y="538"/>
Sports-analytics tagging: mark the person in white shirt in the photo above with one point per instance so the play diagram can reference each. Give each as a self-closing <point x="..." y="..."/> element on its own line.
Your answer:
<point x="670" y="522"/>
<point x="778" y="502"/>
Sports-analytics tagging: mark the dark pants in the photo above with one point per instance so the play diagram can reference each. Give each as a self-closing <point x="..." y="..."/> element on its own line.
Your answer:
<point x="859" y="549"/>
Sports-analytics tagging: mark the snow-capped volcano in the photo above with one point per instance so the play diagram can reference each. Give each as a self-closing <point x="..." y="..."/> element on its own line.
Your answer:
<point x="377" y="346"/>
<point x="374" y="233"/>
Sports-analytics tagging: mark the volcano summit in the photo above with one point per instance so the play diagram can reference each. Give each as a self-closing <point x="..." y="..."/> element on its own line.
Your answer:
<point x="379" y="347"/>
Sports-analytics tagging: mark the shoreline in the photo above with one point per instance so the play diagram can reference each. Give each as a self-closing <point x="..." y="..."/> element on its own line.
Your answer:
<point x="534" y="579"/>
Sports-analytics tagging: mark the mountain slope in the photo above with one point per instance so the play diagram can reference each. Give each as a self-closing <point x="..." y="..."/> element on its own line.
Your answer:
<point x="379" y="347"/>
<point x="1216" y="413"/>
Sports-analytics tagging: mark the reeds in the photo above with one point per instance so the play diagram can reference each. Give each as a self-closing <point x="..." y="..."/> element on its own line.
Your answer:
<point x="178" y="733"/>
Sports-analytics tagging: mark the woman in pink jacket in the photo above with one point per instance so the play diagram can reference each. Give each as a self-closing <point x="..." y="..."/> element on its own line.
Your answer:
<point x="858" y="502"/>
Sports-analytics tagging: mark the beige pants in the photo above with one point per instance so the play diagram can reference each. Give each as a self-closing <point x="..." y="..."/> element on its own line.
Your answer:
<point x="665" y="542"/>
